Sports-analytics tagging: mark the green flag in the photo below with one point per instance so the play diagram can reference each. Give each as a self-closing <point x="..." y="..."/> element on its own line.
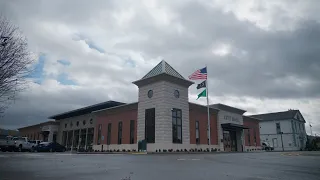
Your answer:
<point x="202" y="94"/>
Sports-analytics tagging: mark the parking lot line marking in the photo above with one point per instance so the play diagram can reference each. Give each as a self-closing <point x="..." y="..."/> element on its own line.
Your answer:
<point x="31" y="155"/>
<point x="181" y="159"/>
<point x="195" y="159"/>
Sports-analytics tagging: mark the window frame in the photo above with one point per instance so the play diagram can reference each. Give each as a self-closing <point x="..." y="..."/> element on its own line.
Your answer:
<point x="249" y="138"/>
<point x="120" y="132"/>
<point x="197" y="132"/>
<point x="109" y="133"/>
<point x="278" y="129"/>
<point x="132" y="129"/>
<point x="255" y="137"/>
<point x="99" y="134"/>
<point x="176" y="125"/>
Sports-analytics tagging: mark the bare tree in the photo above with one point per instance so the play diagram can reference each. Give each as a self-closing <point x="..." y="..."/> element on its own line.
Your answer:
<point x="15" y="62"/>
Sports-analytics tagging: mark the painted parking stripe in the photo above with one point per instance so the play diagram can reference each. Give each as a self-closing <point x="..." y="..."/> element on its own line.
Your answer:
<point x="181" y="159"/>
<point x="290" y="154"/>
<point x="30" y="155"/>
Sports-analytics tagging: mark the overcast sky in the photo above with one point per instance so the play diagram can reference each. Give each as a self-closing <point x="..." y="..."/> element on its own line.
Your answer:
<point x="262" y="56"/>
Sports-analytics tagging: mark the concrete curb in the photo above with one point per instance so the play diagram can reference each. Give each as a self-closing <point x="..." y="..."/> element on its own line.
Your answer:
<point x="165" y="153"/>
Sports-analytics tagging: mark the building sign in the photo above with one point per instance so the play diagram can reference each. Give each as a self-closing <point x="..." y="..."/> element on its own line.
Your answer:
<point x="230" y="118"/>
<point x="45" y="128"/>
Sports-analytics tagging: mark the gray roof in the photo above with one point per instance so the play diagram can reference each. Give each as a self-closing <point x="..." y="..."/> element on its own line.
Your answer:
<point x="277" y="115"/>
<point x="86" y="110"/>
<point x="228" y="108"/>
<point x="163" y="67"/>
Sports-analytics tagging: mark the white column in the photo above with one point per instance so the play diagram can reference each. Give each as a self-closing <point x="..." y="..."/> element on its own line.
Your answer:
<point x="85" y="142"/>
<point x="50" y="137"/>
<point x="72" y="140"/>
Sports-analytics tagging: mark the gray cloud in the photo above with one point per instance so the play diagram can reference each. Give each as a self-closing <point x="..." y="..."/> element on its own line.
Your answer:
<point x="274" y="63"/>
<point x="280" y="64"/>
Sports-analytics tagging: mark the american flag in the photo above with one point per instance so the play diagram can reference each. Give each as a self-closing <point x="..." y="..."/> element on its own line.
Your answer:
<point x="199" y="74"/>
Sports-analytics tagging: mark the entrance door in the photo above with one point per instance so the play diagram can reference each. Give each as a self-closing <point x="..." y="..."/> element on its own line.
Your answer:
<point x="229" y="141"/>
<point x="233" y="138"/>
<point x="226" y="141"/>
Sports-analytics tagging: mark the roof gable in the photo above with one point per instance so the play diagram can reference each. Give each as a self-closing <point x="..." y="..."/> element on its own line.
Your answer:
<point x="290" y="114"/>
<point x="299" y="116"/>
<point x="163" y="67"/>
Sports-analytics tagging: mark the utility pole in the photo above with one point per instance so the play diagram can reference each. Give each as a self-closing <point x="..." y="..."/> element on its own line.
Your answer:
<point x="310" y="128"/>
<point x="282" y="141"/>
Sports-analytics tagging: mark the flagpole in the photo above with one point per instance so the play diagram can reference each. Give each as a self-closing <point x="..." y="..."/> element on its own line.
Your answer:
<point x="207" y="89"/>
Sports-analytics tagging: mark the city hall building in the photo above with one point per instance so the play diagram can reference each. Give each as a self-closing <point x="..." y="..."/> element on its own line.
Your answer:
<point x="163" y="117"/>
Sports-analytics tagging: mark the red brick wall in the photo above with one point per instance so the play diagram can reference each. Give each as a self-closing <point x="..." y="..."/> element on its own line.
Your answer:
<point x="252" y="124"/>
<point x="122" y="115"/>
<point x="31" y="133"/>
<point x="34" y="132"/>
<point x="125" y="115"/>
<point x="199" y="113"/>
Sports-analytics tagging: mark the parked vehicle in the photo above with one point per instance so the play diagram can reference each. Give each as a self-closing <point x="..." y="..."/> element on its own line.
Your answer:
<point x="266" y="146"/>
<point x="50" y="147"/>
<point x="6" y="143"/>
<point x="36" y="142"/>
<point x="22" y="144"/>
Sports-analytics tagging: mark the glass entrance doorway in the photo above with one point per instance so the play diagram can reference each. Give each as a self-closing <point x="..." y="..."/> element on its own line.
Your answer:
<point x="229" y="141"/>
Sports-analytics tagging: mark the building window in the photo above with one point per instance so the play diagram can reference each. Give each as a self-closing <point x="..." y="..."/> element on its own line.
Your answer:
<point x="249" y="140"/>
<point x="64" y="138"/>
<point x="84" y="122"/>
<point x="120" y="133"/>
<point x="150" y="117"/>
<point x="197" y="133"/>
<point x="176" y="126"/>
<point x="131" y="131"/>
<point x="109" y="134"/>
<point x="76" y="138"/>
<point x="255" y="137"/>
<point x="91" y="121"/>
<point x="278" y="128"/>
<point x="65" y="125"/>
<point x="150" y="93"/>
<point x="90" y="138"/>
<point x="70" y="138"/>
<point x="77" y="123"/>
<point x="83" y="133"/>
<point x="99" y="134"/>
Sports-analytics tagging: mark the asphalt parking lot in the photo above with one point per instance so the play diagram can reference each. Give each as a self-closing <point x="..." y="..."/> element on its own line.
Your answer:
<point x="242" y="166"/>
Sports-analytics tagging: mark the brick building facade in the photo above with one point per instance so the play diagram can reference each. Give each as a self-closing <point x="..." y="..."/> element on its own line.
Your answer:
<point x="163" y="117"/>
<point x="46" y="131"/>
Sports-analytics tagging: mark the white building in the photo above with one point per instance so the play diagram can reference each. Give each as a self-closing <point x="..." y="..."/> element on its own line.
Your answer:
<point x="284" y="130"/>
